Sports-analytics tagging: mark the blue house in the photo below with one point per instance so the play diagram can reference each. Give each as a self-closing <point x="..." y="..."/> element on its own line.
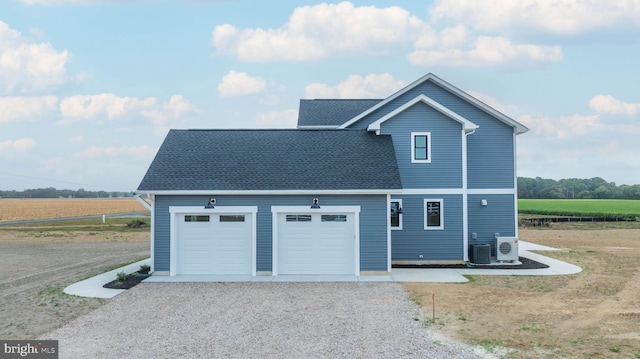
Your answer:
<point x="360" y="185"/>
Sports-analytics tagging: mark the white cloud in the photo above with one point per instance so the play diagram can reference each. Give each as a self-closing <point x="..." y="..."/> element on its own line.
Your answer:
<point x="277" y="119"/>
<point x="565" y="17"/>
<point x="15" y="108"/>
<point x="76" y="139"/>
<point x="87" y="107"/>
<point x="510" y="110"/>
<point x="562" y="127"/>
<point x="170" y="113"/>
<point x="610" y="105"/>
<point x="461" y="50"/>
<point x="313" y="32"/>
<point x="28" y="66"/>
<point x="240" y="84"/>
<point x="356" y="86"/>
<point x="21" y="145"/>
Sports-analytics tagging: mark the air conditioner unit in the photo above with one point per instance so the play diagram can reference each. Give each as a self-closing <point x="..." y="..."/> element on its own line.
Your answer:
<point x="507" y="248"/>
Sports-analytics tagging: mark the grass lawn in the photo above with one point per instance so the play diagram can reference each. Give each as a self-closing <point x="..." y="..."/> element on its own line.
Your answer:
<point x="611" y="208"/>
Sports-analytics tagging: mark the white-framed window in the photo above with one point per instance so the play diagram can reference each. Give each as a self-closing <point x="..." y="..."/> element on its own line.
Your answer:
<point x="396" y="214"/>
<point x="420" y="147"/>
<point x="433" y="214"/>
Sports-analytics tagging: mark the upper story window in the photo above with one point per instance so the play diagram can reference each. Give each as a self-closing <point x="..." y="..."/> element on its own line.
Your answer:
<point x="433" y="214"/>
<point x="396" y="214"/>
<point x="421" y="147"/>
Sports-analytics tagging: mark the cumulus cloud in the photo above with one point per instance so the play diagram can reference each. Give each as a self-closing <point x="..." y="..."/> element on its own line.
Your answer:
<point x="314" y="32"/>
<point x="21" y="145"/>
<point x="170" y="113"/>
<point x="356" y="86"/>
<point x="240" y="84"/>
<point x="565" y="17"/>
<point x="29" y="66"/>
<point x="87" y="107"/>
<point x="479" y="51"/>
<point x="562" y="127"/>
<point x="16" y="108"/>
<point x="277" y="119"/>
<point x="610" y="105"/>
<point x="76" y="139"/>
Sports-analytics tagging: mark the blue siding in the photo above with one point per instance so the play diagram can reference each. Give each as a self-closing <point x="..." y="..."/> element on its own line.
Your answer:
<point x="490" y="148"/>
<point x="445" y="169"/>
<point x="497" y="217"/>
<point x="413" y="240"/>
<point x="373" y="221"/>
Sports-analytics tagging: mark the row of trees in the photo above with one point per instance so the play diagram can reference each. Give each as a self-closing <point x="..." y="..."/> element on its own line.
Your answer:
<point x="575" y="188"/>
<point x="51" y="192"/>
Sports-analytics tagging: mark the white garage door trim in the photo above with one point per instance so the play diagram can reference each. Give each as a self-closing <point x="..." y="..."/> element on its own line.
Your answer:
<point x="177" y="211"/>
<point x="277" y="210"/>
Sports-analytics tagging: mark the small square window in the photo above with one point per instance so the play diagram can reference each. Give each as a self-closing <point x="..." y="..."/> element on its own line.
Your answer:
<point x="421" y="147"/>
<point x="433" y="214"/>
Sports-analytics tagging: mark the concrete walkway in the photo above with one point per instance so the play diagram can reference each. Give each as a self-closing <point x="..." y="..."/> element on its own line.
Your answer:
<point x="92" y="287"/>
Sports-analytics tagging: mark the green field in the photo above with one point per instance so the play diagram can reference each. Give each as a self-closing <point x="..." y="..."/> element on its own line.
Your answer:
<point x="608" y="208"/>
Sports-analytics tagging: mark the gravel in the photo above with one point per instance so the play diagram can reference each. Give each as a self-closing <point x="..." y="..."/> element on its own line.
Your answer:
<point x="256" y="320"/>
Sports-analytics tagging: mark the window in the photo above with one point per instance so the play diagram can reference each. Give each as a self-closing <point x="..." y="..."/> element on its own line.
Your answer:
<point x="189" y="218"/>
<point x="232" y="218"/>
<point x="433" y="214"/>
<point x="334" y="218"/>
<point x="298" y="218"/>
<point x="396" y="216"/>
<point x="421" y="147"/>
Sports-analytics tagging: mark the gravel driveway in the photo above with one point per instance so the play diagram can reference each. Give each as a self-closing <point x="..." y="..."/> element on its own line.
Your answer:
<point x="255" y="320"/>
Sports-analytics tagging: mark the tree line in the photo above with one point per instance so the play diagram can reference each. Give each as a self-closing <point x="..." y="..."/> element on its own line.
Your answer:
<point x="51" y="192"/>
<point x="575" y="188"/>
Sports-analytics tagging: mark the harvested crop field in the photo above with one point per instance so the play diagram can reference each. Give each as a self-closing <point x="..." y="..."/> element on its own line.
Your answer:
<point x="17" y="209"/>
<point x="592" y="314"/>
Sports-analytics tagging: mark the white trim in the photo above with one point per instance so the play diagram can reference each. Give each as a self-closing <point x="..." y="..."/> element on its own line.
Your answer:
<point x="268" y="192"/>
<point x="318" y="127"/>
<point x="519" y="128"/>
<point x="142" y="202"/>
<point x="515" y="185"/>
<point x="388" y="234"/>
<point x="467" y="125"/>
<point x="441" y="226"/>
<point x="432" y="191"/>
<point x="174" y="211"/>
<point x="465" y="199"/>
<point x="492" y="191"/>
<point x="413" y="147"/>
<point x="277" y="210"/>
<point x="399" y="228"/>
<point x="153" y="230"/>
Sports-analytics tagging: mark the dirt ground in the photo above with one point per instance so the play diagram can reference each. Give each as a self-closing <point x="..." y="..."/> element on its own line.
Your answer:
<point x="35" y="269"/>
<point x="593" y="314"/>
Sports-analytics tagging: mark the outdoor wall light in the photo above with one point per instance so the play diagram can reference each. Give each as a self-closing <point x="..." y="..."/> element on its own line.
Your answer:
<point x="315" y="204"/>
<point x="483" y="202"/>
<point x="210" y="203"/>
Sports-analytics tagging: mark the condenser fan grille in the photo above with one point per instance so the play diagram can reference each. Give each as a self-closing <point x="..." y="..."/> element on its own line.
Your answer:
<point x="505" y="248"/>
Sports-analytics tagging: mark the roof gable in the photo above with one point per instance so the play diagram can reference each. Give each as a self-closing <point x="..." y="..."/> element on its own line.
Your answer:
<point x="272" y="160"/>
<point x="331" y="112"/>
<point x="519" y="128"/>
<point x="467" y="125"/>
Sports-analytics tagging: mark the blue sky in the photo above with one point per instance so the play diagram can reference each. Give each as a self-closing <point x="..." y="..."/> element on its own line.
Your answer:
<point x="89" y="88"/>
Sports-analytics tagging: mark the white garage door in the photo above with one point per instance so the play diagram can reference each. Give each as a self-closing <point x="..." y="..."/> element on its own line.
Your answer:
<point x="322" y="243"/>
<point x="214" y="244"/>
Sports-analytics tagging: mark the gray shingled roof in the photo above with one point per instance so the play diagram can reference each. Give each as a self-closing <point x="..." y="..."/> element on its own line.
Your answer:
<point x="331" y="112"/>
<point x="273" y="160"/>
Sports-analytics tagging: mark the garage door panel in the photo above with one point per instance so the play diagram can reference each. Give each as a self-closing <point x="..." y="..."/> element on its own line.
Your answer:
<point x="316" y="244"/>
<point x="219" y="246"/>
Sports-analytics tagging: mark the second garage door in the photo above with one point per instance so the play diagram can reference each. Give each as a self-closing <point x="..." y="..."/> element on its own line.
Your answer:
<point x="316" y="243"/>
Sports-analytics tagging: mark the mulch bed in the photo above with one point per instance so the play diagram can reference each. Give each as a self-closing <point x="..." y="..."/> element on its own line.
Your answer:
<point x="526" y="264"/>
<point x="130" y="281"/>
